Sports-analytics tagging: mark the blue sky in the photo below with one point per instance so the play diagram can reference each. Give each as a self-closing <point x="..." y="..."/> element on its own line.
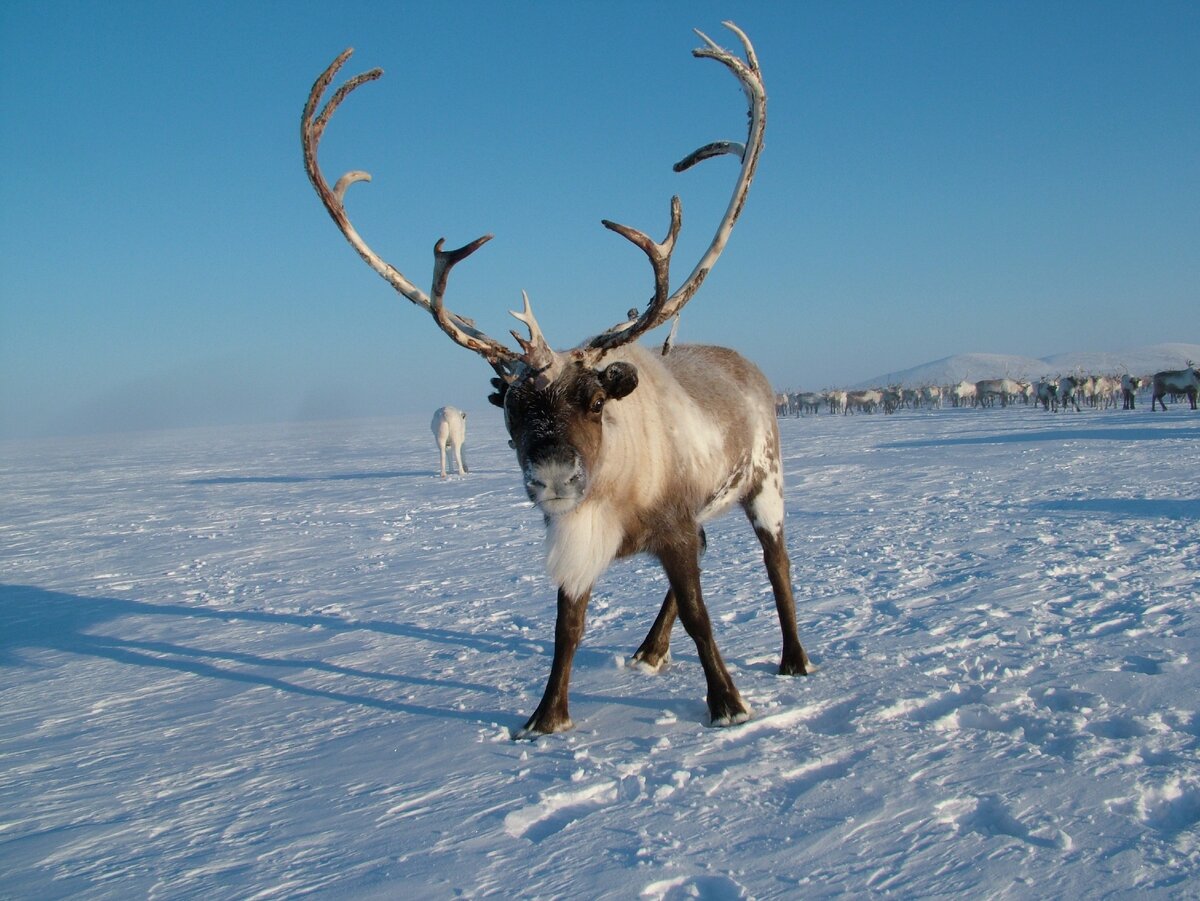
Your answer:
<point x="938" y="178"/>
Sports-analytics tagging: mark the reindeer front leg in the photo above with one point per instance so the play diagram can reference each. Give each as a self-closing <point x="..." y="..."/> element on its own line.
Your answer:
<point x="682" y="565"/>
<point x="551" y="714"/>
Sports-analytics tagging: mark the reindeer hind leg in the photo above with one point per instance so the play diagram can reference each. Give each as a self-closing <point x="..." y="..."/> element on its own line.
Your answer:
<point x="765" y="509"/>
<point x="655" y="649"/>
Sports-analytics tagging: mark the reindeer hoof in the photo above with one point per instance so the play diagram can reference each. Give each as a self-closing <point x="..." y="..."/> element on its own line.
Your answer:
<point x="543" y="725"/>
<point x="793" y="661"/>
<point x="649" y="663"/>
<point x="732" y="719"/>
<point x="731" y="713"/>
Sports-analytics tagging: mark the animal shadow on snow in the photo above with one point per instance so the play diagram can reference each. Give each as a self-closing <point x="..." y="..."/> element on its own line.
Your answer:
<point x="34" y="619"/>
<point x="1127" y="507"/>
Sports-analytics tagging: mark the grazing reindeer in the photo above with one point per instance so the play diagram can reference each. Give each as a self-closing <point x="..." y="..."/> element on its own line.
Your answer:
<point x="624" y="450"/>
<point x="1175" y="381"/>
<point x="450" y="430"/>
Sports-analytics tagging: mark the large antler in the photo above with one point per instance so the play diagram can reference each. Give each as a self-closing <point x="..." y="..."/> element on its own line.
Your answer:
<point x="664" y="305"/>
<point x="506" y="363"/>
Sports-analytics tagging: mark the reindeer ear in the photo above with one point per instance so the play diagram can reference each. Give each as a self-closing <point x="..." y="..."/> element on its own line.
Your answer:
<point x="619" y="380"/>
<point x="497" y="399"/>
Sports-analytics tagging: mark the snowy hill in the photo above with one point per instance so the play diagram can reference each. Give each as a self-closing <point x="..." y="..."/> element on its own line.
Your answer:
<point x="971" y="367"/>
<point x="288" y="662"/>
<point x="1138" y="361"/>
<point x="975" y="366"/>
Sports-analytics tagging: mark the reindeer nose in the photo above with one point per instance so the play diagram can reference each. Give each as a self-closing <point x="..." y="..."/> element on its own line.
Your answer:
<point x="555" y="472"/>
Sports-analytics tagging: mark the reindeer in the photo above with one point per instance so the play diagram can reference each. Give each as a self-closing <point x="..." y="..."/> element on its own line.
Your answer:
<point x="963" y="393"/>
<point x="865" y="401"/>
<point x="450" y="430"/>
<point x="622" y="449"/>
<point x="1047" y="394"/>
<point x="1069" y="387"/>
<point x="1130" y="385"/>
<point x="1106" y="390"/>
<point x="1175" y="381"/>
<point x="987" y="390"/>
<point x="808" y="402"/>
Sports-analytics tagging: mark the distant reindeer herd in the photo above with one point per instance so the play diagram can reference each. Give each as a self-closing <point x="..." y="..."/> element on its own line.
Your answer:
<point x="1068" y="392"/>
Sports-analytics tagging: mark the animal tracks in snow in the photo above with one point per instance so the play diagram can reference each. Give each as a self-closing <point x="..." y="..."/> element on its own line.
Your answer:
<point x="557" y="810"/>
<point x="992" y="816"/>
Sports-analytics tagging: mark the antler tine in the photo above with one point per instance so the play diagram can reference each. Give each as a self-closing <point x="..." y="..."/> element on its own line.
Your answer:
<point x="460" y="330"/>
<point x="664" y="307"/>
<point x="659" y="255"/>
<point x="536" y="351"/>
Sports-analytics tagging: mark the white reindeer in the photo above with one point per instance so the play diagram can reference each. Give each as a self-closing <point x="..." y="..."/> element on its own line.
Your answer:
<point x="1105" y="391"/>
<point x="625" y="450"/>
<point x="963" y="393"/>
<point x="450" y="431"/>
<point x="1175" y="381"/>
<point x="1068" y="392"/>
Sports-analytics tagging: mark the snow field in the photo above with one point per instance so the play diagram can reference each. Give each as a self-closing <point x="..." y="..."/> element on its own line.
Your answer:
<point x="286" y="660"/>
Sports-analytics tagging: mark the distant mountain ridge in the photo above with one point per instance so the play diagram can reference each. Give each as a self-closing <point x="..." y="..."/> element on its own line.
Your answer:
<point x="975" y="366"/>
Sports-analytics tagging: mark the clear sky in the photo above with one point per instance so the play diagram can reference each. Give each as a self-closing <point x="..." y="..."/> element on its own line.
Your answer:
<point x="939" y="177"/>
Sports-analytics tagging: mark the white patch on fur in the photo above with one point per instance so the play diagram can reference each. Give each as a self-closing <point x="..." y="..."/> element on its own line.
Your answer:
<point x="580" y="545"/>
<point x="659" y="437"/>
<point x="767" y="509"/>
<point x="696" y="441"/>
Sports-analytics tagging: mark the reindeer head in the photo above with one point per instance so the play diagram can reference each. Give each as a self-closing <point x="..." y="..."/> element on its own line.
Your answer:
<point x="554" y="402"/>
<point x="558" y="430"/>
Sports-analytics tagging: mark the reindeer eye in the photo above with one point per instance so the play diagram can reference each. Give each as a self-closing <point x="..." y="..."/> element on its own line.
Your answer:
<point x="597" y="403"/>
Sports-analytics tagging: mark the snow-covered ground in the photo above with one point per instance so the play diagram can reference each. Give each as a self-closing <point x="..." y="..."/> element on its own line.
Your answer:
<point x="263" y="662"/>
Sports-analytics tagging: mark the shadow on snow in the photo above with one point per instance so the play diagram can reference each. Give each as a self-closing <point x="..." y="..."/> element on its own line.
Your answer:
<point x="34" y="618"/>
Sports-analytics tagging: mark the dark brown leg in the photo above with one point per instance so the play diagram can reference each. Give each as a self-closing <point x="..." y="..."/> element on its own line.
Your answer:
<point x="794" y="662"/>
<point x="682" y="564"/>
<point x="654" y="649"/>
<point x="551" y="714"/>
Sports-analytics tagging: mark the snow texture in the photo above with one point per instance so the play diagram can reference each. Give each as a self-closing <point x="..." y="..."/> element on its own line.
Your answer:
<point x="269" y="662"/>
